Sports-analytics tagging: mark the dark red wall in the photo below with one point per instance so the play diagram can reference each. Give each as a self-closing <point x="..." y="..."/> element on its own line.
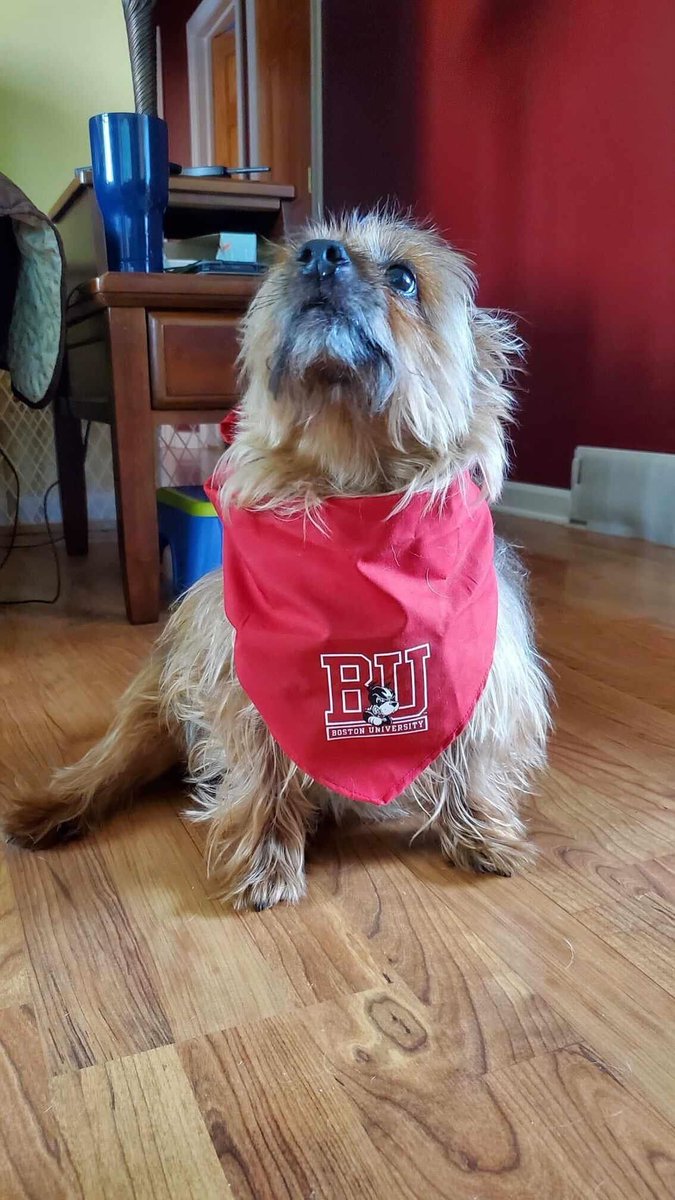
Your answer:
<point x="371" y="76"/>
<point x="540" y="134"/>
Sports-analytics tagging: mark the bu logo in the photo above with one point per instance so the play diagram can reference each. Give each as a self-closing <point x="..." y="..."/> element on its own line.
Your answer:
<point x="382" y="695"/>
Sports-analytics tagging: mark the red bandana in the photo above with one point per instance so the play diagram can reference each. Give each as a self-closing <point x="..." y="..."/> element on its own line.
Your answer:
<point x="366" y="647"/>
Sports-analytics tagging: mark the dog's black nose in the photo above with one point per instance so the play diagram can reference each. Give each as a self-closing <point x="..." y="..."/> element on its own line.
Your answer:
<point x="322" y="257"/>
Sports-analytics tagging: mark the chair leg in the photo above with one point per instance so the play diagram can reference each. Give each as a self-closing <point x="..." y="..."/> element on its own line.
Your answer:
<point x="71" y="476"/>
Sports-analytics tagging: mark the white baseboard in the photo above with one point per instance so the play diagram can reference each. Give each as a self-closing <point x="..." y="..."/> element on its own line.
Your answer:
<point x="535" y="501"/>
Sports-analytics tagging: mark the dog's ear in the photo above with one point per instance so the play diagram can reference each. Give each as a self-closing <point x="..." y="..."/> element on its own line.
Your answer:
<point x="498" y="352"/>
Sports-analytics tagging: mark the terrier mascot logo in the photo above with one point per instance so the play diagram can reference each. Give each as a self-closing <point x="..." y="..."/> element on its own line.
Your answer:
<point x="394" y="683"/>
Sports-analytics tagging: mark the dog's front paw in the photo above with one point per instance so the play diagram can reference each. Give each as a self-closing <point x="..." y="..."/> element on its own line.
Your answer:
<point x="276" y="887"/>
<point x="498" y="860"/>
<point x="258" y="890"/>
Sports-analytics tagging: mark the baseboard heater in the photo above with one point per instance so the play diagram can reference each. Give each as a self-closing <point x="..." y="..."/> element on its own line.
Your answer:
<point x="626" y="492"/>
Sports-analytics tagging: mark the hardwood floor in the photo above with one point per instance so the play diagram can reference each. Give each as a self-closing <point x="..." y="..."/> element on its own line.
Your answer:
<point x="408" y="1031"/>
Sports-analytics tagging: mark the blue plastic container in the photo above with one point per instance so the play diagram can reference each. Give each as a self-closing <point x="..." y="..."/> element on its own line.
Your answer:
<point x="190" y="527"/>
<point x="130" y="168"/>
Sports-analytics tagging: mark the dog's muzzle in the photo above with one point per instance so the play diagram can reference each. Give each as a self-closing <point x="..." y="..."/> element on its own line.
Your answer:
<point x="336" y="332"/>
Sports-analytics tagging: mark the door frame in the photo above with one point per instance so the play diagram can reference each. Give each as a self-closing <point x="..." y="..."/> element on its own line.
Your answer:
<point x="252" y="84"/>
<point x="210" y="18"/>
<point x="316" y="101"/>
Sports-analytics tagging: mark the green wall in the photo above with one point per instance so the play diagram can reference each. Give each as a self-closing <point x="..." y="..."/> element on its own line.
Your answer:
<point x="60" y="62"/>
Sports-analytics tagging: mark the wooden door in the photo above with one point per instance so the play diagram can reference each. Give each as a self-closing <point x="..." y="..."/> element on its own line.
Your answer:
<point x="284" y="95"/>
<point x="226" y="150"/>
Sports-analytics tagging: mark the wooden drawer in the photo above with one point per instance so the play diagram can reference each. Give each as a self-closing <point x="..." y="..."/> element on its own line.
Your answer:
<point x="192" y="359"/>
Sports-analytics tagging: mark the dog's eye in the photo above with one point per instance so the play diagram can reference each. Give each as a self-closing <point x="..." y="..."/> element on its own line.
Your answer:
<point x="402" y="280"/>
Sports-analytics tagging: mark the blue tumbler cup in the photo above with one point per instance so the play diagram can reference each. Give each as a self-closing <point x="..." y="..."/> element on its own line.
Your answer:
<point x="130" y="166"/>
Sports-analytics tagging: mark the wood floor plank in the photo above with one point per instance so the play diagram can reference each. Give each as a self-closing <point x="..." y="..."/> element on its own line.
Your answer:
<point x="97" y="993"/>
<point x="633" y="795"/>
<point x="583" y="1116"/>
<point x="614" y="575"/>
<point x="34" y="1161"/>
<point x="316" y="954"/>
<point x="586" y="640"/>
<point x="642" y="929"/>
<point x="578" y="878"/>
<point x="68" y="675"/>
<point x="616" y="725"/>
<point x="443" y="1133"/>
<point x="281" y="1125"/>
<point x="134" y="1131"/>
<point x="589" y="811"/>
<point x="306" y="945"/>
<point x="628" y="1019"/>
<point x="485" y="1015"/>
<point x="14" y="978"/>
<point x="593" y="823"/>
<point x="654" y="878"/>
<point x="210" y="973"/>
<point x="574" y="875"/>
<point x="557" y="1125"/>
<point x="607" y="579"/>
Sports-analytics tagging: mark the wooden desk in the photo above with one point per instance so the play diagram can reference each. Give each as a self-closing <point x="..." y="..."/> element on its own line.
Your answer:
<point x="142" y="350"/>
<point x="196" y="206"/>
<point x="148" y="350"/>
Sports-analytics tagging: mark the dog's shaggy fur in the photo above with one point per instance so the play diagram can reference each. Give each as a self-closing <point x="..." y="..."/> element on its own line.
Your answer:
<point x="350" y="387"/>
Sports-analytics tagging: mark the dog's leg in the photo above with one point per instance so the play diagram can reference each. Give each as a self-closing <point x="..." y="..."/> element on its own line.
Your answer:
<point x="137" y="748"/>
<point x="259" y="818"/>
<point x="481" y="779"/>
<point x="479" y="826"/>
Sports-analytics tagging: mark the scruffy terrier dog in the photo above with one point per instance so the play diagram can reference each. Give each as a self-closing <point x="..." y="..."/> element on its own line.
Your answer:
<point x="371" y="434"/>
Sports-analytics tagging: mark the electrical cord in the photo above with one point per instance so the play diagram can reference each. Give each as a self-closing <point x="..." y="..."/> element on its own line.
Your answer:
<point x="50" y="539"/>
<point x="15" y="522"/>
